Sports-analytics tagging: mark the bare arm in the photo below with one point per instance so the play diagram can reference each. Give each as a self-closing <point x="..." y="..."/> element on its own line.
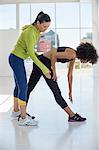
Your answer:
<point x="53" y="61"/>
<point x="70" y="78"/>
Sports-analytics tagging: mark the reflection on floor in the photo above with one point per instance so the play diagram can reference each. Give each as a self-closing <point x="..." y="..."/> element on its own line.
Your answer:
<point x="53" y="131"/>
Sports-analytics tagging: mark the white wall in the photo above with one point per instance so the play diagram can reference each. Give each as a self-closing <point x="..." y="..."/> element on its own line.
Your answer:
<point x="95" y="33"/>
<point x="7" y="41"/>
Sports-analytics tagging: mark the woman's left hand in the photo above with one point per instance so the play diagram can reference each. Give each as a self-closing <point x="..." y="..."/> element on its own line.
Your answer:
<point x="70" y="97"/>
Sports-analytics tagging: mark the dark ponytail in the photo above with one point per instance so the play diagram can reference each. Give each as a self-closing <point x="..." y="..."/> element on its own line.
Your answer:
<point x="42" y="17"/>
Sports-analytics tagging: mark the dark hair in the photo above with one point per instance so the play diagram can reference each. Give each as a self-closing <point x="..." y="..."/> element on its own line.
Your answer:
<point x="42" y="17"/>
<point x="86" y="51"/>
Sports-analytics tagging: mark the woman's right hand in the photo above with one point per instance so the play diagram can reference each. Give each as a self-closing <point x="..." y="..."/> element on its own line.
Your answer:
<point x="54" y="76"/>
<point x="48" y="75"/>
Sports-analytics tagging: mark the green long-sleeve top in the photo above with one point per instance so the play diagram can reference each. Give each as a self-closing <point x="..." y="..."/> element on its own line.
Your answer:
<point x="25" y="46"/>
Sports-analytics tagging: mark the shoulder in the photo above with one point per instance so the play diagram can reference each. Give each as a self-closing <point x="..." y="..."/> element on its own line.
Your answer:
<point x="71" y="52"/>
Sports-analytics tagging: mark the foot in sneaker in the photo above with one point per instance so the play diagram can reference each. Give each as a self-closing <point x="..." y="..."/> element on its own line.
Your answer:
<point x="15" y="114"/>
<point x="27" y="122"/>
<point x="76" y="118"/>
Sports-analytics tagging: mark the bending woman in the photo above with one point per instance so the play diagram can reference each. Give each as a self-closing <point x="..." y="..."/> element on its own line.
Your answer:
<point x="85" y="52"/>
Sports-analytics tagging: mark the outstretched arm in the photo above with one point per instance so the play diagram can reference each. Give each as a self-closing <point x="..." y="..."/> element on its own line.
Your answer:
<point x="70" y="78"/>
<point x="53" y="61"/>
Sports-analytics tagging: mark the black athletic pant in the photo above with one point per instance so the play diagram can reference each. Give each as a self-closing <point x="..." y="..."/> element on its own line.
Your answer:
<point x="35" y="76"/>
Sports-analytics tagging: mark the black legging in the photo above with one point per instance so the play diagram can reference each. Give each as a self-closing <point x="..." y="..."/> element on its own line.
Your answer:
<point x="35" y="76"/>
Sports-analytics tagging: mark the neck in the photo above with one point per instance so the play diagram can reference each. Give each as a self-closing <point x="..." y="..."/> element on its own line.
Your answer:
<point x="76" y="54"/>
<point x="36" y="27"/>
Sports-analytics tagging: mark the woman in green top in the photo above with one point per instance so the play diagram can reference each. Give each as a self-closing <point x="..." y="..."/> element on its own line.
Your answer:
<point x="23" y="49"/>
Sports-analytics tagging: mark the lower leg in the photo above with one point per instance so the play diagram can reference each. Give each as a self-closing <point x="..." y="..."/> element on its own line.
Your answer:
<point x="58" y="97"/>
<point x="23" y="111"/>
<point x="69" y="111"/>
<point x="24" y="120"/>
<point x="15" y="105"/>
<point x="22" y="105"/>
<point x="73" y="117"/>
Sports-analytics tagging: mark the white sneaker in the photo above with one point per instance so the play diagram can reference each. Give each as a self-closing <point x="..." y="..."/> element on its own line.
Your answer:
<point x="27" y="122"/>
<point x="15" y="114"/>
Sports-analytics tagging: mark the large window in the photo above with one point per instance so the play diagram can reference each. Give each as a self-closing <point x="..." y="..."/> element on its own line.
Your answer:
<point x="67" y="15"/>
<point x="86" y="34"/>
<point x="71" y="22"/>
<point x="86" y="15"/>
<point x="68" y="37"/>
<point x="24" y="14"/>
<point x="8" y="16"/>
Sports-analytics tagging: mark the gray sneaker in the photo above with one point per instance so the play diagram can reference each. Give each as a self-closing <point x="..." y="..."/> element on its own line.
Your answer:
<point x="15" y="114"/>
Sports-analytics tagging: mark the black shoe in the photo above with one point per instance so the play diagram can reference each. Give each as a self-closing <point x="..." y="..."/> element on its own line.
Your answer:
<point x="76" y="118"/>
<point x="32" y="117"/>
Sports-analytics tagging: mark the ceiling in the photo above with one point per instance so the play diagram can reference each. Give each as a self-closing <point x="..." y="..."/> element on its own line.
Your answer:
<point x="34" y="1"/>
